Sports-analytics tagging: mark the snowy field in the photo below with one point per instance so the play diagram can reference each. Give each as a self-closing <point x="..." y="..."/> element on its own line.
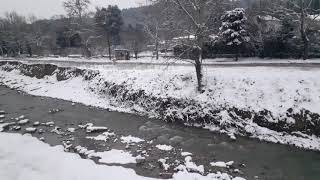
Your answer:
<point x="250" y="89"/>
<point x="25" y="157"/>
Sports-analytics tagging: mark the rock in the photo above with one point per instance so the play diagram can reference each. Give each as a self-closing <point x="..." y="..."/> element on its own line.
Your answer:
<point x="42" y="139"/>
<point x="16" y="128"/>
<point x="73" y="104"/>
<point x="92" y="129"/>
<point x="23" y="122"/>
<point x="140" y="161"/>
<point x="186" y="154"/>
<point x="31" y="130"/>
<point x="36" y="123"/>
<point x="5" y="126"/>
<point x="57" y="130"/>
<point x="72" y="130"/>
<point x="164" y="139"/>
<point x="143" y="128"/>
<point x="53" y="111"/>
<point x="166" y="175"/>
<point x="67" y="146"/>
<point x="50" y="124"/>
<point x="20" y="117"/>
<point x="2" y="112"/>
<point x="41" y="131"/>
<point x="150" y="166"/>
<point x="176" y="140"/>
<point x="2" y="116"/>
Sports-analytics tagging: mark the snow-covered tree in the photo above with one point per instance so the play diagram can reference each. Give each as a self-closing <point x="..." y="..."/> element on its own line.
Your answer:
<point x="193" y="18"/>
<point x="233" y="31"/>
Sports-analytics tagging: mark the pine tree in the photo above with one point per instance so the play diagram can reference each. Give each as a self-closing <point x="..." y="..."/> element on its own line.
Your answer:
<point x="233" y="31"/>
<point x="110" y="21"/>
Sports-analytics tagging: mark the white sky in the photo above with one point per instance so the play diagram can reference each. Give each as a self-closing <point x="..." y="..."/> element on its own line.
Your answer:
<point x="48" y="8"/>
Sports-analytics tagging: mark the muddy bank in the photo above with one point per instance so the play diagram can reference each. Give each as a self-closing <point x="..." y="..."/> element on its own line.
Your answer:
<point x="227" y="119"/>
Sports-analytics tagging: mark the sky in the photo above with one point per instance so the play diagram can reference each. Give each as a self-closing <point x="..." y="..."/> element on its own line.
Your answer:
<point x="48" y="8"/>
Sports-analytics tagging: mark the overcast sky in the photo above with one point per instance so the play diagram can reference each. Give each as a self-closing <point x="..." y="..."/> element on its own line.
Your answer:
<point x="48" y="8"/>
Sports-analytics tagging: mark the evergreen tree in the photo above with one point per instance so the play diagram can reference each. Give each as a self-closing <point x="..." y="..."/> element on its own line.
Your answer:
<point x="233" y="31"/>
<point x="110" y="21"/>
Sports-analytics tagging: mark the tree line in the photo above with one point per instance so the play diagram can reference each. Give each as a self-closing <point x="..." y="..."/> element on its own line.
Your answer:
<point x="194" y="29"/>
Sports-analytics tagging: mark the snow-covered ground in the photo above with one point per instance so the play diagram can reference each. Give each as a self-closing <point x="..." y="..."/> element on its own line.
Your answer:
<point x="24" y="157"/>
<point x="249" y="89"/>
<point x="166" y="61"/>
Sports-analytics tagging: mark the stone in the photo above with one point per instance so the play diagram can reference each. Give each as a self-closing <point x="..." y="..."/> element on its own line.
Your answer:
<point x="31" y="130"/>
<point x="41" y="131"/>
<point x="23" y="122"/>
<point x="36" y="123"/>
<point x="16" y="128"/>
<point x="176" y="140"/>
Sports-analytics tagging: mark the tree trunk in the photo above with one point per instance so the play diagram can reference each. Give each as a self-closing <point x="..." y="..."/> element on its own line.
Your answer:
<point x="87" y="51"/>
<point x="304" y="36"/>
<point x="109" y="48"/>
<point x="198" y="67"/>
<point x="1" y="51"/>
<point x="157" y="49"/>
<point x="136" y="54"/>
<point x="237" y="53"/>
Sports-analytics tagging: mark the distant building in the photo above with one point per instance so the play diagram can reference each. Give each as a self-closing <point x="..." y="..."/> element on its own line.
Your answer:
<point x="270" y="23"/>
<point x="122" y="54"/>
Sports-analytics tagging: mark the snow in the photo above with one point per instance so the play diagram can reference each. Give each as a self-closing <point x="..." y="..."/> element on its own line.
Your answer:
<point x="5" y="125"/>
<point x="186" y="154"/>
<point x="164" y="147"/>
<point x="72" y="130"/>
<point x="164" y="164"/>
<point x="91" y="128"/>
<point x="222" y="164"/>
<point x="49" y="124"/>
<point x="24" y="121"/>
<point x="2" y="116"/>
<point x="116" y="157"/>
<point x="31" y="130"/>
<point x="103" y="137"/>
<point x="190" y="166"/>
<point x="218" y="164"/>
<point x="113" y="156"/>
<point x="25" y="157"/>
<point x="247" y="88"/>
<point x="130" y="139"/>
<point x="37" y="123"/>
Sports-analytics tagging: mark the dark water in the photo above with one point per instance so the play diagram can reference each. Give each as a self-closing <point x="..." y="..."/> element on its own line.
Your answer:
<point x="267" y="161"/>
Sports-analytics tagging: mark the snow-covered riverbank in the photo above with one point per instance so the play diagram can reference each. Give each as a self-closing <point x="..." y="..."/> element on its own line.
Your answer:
<point x="25" y="157"/>
<point x="279" y="105"/>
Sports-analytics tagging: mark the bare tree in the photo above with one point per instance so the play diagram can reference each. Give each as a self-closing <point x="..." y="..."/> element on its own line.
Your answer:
<point x="198" y="14"/>
<point x="303" y="8"/>
<point x="76" y="8"/>
<point x="152" y="29"/>
<point x="300" y="11"/>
